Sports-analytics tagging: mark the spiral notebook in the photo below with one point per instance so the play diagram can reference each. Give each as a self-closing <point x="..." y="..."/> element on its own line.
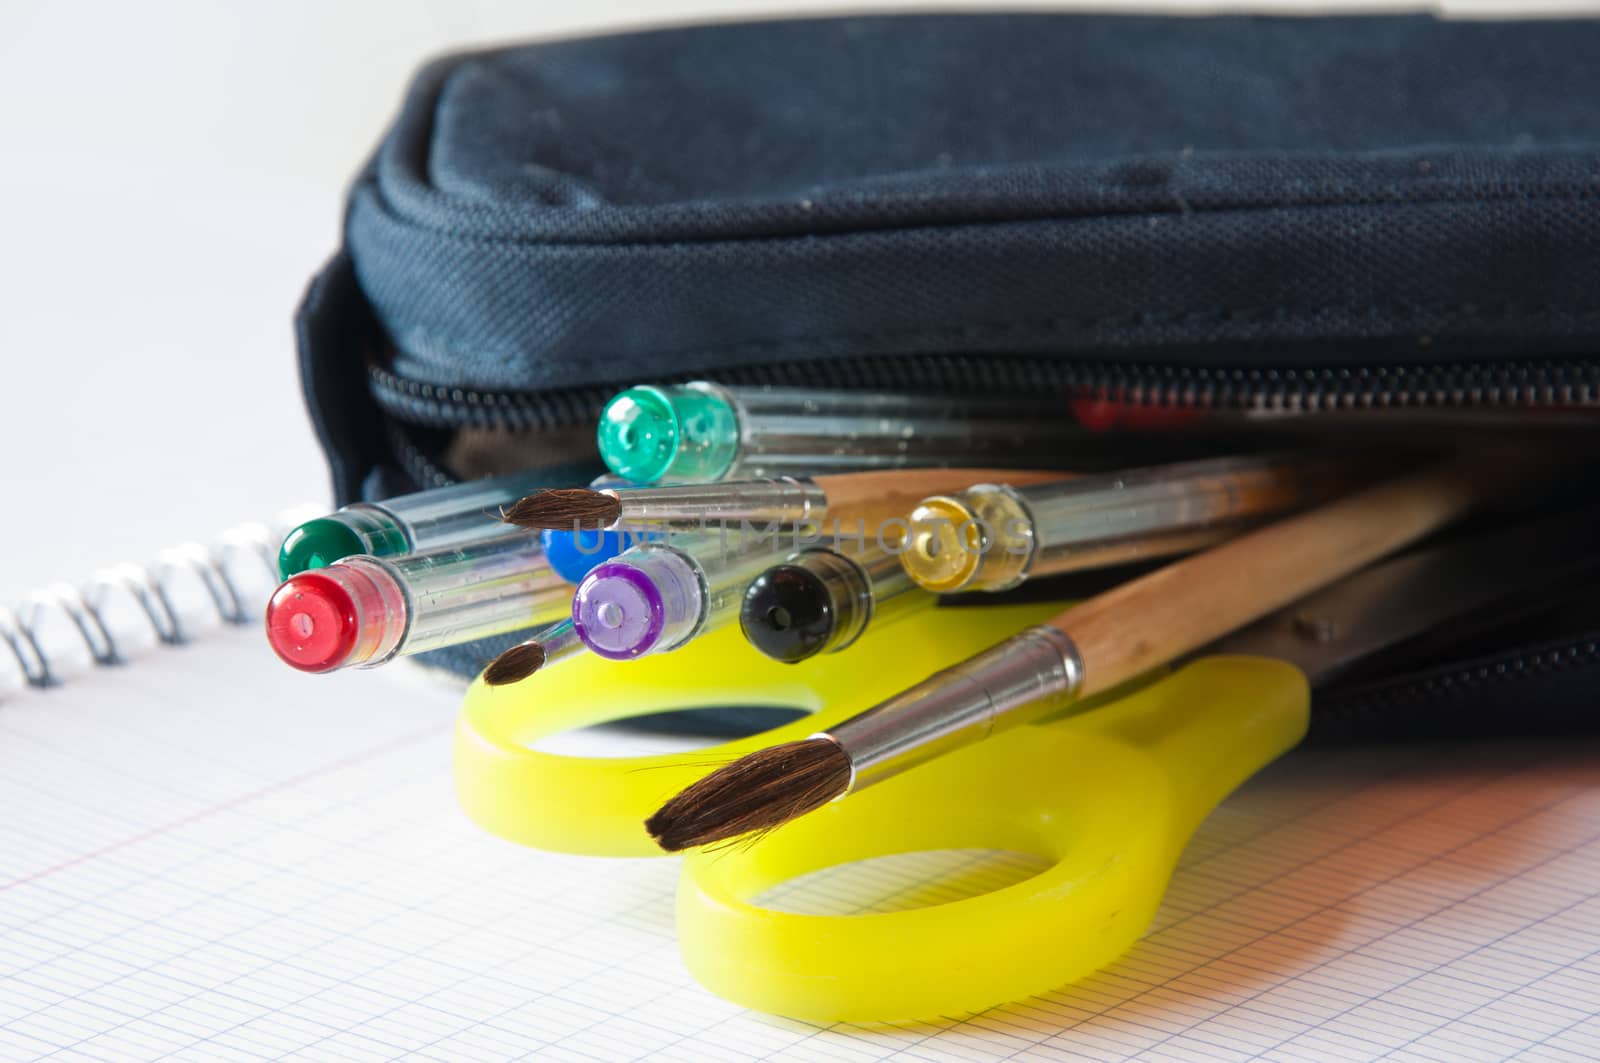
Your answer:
<point x="209" y="856"/>
<point x="123" y="613"/>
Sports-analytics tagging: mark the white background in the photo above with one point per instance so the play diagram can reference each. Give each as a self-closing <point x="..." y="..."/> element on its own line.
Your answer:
<point x="171" y="174"/>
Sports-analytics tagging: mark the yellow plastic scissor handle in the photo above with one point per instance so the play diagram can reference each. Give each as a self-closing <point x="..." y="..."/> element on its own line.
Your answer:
<point x="598" y="806"/>
<point x="1110" y="797"/>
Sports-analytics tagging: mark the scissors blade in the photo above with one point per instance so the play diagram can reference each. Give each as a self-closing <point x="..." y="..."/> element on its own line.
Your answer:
<point x="1387" y="603"/>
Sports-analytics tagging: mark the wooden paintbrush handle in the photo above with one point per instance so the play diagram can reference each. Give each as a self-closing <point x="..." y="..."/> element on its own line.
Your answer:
<point x="1159" y="617"/>
<point x="876" y="497"/>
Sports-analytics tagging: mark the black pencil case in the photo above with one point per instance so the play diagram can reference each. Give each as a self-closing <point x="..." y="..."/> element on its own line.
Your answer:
<point x="1235" y="215"/>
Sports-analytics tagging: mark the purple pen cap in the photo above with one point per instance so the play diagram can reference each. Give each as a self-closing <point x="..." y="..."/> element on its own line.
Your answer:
<point x="647" y="601"/>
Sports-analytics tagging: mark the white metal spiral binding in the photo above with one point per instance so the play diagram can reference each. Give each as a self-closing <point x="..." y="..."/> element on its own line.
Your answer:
<point x="122" y="613"/>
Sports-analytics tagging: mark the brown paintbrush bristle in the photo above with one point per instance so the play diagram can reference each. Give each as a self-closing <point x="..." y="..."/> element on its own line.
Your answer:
<point x="563" y="508"/>
<point x="755" y="793"/>
<point x="515" y="665"/>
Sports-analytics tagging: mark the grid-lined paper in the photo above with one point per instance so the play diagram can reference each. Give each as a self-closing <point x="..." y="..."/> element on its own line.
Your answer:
<point x="209" y="857"/>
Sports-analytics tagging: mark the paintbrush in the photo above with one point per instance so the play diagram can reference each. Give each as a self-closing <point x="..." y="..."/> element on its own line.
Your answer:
<point x="863" y="501"/>
<point x="1088" y="649"/>
<point x="549" y="646"/>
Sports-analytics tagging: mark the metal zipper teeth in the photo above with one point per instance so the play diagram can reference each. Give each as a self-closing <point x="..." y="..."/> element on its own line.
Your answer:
<point x="1376" y="703"/>
<point x="1266" y="390"/>
<point x="414" y="464"/>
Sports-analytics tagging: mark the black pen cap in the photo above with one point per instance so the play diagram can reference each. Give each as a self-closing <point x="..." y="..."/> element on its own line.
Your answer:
<point x="816" y="603"/>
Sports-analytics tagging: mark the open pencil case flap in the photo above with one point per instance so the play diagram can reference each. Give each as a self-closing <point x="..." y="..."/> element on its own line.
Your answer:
<point x="1218" y="213"/>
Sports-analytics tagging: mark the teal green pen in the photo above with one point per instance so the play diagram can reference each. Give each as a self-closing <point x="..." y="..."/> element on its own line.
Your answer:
<point x="702" y="431"/>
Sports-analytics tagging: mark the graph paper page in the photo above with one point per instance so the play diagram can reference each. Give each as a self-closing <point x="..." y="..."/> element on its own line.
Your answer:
<point x="208" y="857"/>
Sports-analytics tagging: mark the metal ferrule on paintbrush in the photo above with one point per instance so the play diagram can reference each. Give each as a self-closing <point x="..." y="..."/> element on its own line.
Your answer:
<point x="1038" y="670"/>
<point x="783" y="500"/>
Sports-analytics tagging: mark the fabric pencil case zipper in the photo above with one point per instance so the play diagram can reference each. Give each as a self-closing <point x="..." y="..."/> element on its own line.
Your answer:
<point x="1287" y="389"/>
<point x="1101" y="395"/>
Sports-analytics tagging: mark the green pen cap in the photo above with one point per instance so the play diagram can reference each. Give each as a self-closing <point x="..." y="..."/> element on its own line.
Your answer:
<point x="681" y="432"/>
<point x="350" y="531"/>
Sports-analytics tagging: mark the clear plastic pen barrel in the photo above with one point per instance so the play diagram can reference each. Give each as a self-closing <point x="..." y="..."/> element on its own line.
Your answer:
<point x="414" y="523"/>
<point x="821" y="600"/>
<point x="991" y="537"/>
<point x="460" y="595"/>
<point x="784" y="429"/>
<point x="702" y="431"/>
<point x="659" y="595"/>
<point x="362" y="611"/>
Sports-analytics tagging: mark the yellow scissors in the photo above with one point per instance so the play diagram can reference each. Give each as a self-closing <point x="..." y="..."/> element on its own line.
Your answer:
<point x="1108" y="797"/>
